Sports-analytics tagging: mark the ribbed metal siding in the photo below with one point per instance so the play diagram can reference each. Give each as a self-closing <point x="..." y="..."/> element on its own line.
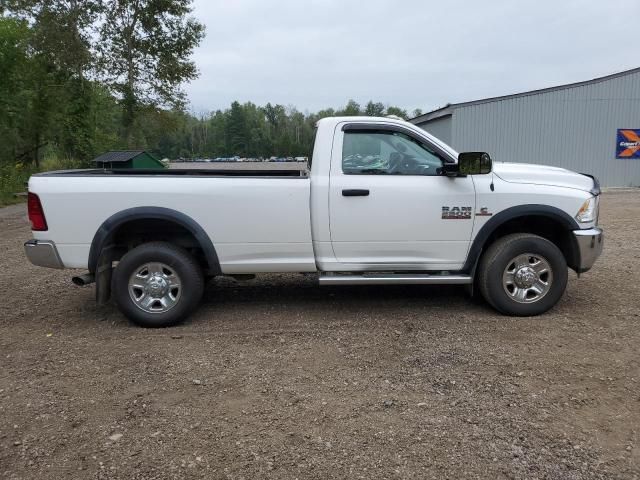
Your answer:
<point x="574" y="128"/>
<point x="440" y="128"/>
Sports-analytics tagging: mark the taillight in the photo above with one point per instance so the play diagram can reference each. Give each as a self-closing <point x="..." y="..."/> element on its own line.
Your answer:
<point x="36" y="214"/>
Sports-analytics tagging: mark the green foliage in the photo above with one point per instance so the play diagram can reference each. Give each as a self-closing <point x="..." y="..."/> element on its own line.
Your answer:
<point x="374" y="109"/>
<point x="351" y="110"/>
<point x="398" y="112"/>
<point x="13" y="179"/>
<point x="14" y="66"/>
<point x="81" y="77"/>
<point x="143" y="53"/>
<point x="61" y="30"/>
<point x="136" y="51"/>
<point x="247" y="130"/>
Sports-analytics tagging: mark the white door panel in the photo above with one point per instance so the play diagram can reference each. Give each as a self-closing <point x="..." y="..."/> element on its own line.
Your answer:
<point x="400" y="222"/>
<point x="399" y="254"/>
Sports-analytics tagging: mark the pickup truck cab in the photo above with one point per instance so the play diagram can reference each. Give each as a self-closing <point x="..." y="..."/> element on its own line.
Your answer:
<point x="384" y="202"/>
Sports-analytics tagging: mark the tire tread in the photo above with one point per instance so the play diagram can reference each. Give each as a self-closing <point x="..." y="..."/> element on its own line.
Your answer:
<point x="195" y="278"/>
<point x="490" y="257"/>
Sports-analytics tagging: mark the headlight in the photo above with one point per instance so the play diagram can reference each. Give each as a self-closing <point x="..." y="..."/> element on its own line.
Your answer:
<point x="588" y="211"/>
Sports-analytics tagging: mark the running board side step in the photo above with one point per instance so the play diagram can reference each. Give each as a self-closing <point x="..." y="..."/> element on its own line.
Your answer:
<point x="397" y="279"/>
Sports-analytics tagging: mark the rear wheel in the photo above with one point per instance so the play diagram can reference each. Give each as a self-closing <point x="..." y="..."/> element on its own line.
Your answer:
<point x="157" y="284"/>
<point x="522" y="275"/>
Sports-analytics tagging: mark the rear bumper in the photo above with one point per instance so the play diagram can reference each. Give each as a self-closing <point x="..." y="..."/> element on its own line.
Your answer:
<point x="43" y="253"/>
<point x="590" y="243"/>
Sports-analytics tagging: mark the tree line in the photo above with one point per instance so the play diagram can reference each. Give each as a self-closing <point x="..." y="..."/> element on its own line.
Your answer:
<point x="83" y="76"/>
<point x="80" y="77"/>
<point x="248" y="130"/>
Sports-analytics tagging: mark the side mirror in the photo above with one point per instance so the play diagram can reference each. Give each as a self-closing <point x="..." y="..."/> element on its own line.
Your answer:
<point x="450" y="170"/>
<point x="474" y="163"/>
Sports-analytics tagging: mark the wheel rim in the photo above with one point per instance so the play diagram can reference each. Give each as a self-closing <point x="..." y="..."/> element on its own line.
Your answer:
<point x="527" y="278"/>
<point x="155" y="287"/>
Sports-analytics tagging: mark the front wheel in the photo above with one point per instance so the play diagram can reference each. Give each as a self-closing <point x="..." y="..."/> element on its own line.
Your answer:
<point x="157" y="284"/>
<point x="522" y="275"/>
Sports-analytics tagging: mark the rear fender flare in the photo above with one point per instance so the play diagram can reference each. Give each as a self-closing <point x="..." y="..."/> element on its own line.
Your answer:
<point x="105" y="233"/>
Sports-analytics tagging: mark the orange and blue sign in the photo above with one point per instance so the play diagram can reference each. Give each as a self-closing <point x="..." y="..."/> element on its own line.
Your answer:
<point x="628" y="143"/>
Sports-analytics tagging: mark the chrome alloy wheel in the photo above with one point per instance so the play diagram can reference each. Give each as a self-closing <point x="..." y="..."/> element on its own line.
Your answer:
<point x="155" y="287"/>
<point x="527" y="278"/>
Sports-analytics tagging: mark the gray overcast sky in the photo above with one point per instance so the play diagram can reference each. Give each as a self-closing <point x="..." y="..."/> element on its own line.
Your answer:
<point x="315" y="54"/>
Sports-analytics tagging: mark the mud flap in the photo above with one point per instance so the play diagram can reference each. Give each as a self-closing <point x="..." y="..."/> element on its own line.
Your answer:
<point x="470" y="290"/>
<point x="103" y="275"/>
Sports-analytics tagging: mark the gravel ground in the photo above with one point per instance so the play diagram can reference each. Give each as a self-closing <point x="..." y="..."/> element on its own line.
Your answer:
<point x="279" y="378"/>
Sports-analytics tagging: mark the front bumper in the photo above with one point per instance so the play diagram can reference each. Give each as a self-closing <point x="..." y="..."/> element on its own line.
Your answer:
<point x="590" y="243"/>
<point x="43" y="253"/>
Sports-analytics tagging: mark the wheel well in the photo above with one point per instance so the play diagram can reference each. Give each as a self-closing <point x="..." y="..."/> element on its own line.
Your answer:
<point x="130" y="234"/>
<point x="129" y="228"/>
<point x="547" y="227"/>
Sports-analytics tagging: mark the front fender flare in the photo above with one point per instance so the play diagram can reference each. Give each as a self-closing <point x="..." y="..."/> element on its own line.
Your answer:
<point x="500" y="218"/>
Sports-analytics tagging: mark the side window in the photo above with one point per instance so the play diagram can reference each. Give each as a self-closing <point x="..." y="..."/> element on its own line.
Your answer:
<point x="380" y="152"/>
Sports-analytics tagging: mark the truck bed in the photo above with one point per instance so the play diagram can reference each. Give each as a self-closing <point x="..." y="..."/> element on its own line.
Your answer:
<point x="174" y="172"/>
<point x="258" y="221"/>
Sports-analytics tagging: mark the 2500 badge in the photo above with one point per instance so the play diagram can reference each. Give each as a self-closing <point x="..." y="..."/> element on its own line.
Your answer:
<point x="456" y="213"/>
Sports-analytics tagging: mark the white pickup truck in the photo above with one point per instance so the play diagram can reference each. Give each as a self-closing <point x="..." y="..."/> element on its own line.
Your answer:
<point x="384" y="203"/>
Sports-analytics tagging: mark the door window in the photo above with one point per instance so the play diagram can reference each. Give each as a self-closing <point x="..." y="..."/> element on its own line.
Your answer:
<point x="382" y="152"/>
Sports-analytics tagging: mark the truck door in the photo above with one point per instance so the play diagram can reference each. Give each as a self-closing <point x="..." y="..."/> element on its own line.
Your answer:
<point x="390" y="206"/>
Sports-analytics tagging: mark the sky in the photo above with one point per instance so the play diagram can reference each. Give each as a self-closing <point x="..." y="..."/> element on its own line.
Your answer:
<point x="314" y="54"/>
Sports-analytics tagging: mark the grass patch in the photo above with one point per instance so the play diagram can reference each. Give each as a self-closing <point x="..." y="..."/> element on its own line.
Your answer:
<point x="14" y="177"/>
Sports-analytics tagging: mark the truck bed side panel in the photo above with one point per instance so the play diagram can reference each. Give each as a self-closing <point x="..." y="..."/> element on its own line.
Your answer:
<point x="255" y="224"/>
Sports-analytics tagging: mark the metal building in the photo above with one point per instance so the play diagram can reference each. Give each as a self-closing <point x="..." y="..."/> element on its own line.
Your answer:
<point x="590" y="127"/>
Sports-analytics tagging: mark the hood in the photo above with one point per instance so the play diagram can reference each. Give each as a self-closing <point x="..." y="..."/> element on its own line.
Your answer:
<point x="542" y="175"/>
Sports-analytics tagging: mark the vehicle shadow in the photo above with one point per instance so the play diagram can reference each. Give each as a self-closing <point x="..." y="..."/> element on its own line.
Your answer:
<point x="295" y="290"/>
<point x="289" y="299"/>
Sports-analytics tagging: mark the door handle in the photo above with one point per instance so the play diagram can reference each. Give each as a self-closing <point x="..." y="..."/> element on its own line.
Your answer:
<point x="355" y="192"/>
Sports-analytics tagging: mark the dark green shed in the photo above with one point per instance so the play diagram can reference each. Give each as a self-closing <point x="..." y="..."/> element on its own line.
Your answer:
<point x="127" y="159"/>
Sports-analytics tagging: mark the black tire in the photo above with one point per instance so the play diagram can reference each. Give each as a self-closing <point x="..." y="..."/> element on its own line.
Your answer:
<point x="498" y="258"/>
<point x="180" y="263"/>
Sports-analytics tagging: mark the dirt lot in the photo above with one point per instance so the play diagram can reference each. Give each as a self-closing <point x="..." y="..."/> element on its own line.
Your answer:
<point x="278" y="378"/>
